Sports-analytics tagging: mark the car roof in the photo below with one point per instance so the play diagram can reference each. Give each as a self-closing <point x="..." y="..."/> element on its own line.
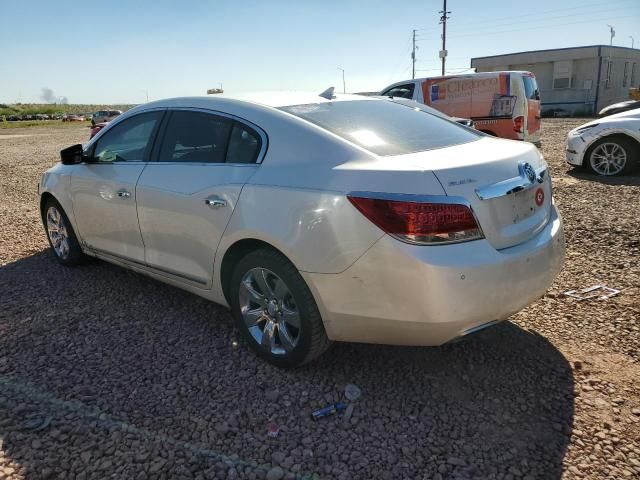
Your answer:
<point x="264" y="99"/>
<point x="283" y="99"/>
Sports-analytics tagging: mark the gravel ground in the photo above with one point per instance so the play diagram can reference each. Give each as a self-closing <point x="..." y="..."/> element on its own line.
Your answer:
<point x="107" y="374"/>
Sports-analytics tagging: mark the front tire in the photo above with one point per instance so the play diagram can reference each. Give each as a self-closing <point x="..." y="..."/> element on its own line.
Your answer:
<point x="275" y="310"/>
<point x="62" y="239"/>
<point x="611" y="156"/>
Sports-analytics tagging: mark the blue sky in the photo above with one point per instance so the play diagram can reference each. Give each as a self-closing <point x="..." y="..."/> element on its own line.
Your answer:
<point x="115" y="51"/>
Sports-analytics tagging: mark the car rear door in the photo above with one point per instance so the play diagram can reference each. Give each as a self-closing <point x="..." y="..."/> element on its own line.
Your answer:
<point x="186" y="197"/>
<point x="103" y="190"/>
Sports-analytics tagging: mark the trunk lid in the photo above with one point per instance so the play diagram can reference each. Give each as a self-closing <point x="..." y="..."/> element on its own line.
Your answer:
<point x="506" y="183"/>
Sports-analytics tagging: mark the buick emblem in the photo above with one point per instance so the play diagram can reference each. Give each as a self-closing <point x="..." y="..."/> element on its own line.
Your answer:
<point x="526" y="170"/>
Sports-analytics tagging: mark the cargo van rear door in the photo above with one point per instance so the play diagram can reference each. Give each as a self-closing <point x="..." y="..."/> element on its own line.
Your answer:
<point x="532" y="96"/>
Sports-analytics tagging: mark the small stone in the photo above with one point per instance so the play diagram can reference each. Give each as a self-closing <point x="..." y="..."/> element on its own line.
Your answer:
<point x="232" y="474"/>
<point x="222" y="428"/>
<point x="636" y="411"/>
<point x="276" y="473"/>
<point x="85" y="457"/>
<point x="272" y="395"/>
<point x="142" y="457"/>
<point x="456" y="461"/>
<point x="157" y="465"/>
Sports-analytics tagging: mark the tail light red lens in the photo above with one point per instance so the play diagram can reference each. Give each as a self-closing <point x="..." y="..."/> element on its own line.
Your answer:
<point x="419" y="222"/>
<point x="518" y="124"/>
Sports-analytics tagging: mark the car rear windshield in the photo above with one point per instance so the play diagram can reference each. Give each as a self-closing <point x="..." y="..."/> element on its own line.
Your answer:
<point x="383" y="127"/>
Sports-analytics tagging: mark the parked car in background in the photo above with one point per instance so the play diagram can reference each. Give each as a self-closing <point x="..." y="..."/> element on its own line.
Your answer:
<point x="104" y="116"/>
<point x="607" y="146"/>
<point x="502" y="104"/>
<point x="72" y="117"/>
<point x="619" y="107"/>
<point x="314" y="218"/>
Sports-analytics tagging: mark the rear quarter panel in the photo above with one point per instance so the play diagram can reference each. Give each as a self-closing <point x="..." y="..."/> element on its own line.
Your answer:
<point x="319" y="231"/>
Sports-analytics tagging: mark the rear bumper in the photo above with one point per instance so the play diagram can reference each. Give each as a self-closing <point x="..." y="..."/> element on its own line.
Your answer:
<point x="404" y="294"/>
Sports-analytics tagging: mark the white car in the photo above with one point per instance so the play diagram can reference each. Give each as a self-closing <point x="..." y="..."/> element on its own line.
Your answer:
<point x="314" y="218"/>
<point x="607" y="146"/>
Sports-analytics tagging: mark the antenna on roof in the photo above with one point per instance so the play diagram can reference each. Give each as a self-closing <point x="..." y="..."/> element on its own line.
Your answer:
<point x="328" y="93"/>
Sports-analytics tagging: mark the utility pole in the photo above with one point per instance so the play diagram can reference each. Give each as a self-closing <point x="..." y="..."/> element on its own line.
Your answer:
<point x="443" y="21"/>
<point x="631" y="40"/>
<point x="344" y="85"/>
<point x="413" y="56"/>
<point x="613" y="34"/>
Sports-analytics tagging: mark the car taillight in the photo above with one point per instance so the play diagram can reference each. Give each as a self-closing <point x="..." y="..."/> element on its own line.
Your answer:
<point x="518" y="124"/>
<point x="420" y="222"/>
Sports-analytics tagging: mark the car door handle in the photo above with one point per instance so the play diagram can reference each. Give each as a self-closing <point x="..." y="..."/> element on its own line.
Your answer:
<point x="123" y="194"/>
<point x="215" y="202"/>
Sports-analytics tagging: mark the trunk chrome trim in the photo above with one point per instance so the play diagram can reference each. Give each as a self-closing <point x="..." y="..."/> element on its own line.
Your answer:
<point x="511" y="185"/>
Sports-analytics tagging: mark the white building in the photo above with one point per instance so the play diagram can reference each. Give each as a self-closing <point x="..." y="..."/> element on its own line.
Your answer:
<point x="578" y="80"/>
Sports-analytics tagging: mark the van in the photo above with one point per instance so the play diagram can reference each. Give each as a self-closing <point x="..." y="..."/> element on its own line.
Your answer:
<point x="502" y="104"/>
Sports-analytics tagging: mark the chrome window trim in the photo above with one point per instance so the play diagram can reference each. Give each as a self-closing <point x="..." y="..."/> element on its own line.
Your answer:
<point x="253" y="126"/>
<point x="203" y="164"/>
<point x="418" y="198"/>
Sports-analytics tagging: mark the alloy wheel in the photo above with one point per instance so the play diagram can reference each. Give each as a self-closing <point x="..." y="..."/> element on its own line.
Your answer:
<point x="269" y="311"/>
<point x="57" y="231"/>
<point x="608" y="159"/>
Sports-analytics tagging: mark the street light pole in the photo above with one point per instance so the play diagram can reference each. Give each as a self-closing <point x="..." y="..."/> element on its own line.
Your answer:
<point x="631" y="40"/>
<point x="344" y="85"/>
<point x="612" y="32"/>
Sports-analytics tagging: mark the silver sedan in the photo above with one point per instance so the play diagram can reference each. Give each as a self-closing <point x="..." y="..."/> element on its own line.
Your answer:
<point x="314" y="218"/>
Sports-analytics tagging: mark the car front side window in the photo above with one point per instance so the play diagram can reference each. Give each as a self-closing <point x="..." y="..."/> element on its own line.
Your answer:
<point x="128" y="141"/>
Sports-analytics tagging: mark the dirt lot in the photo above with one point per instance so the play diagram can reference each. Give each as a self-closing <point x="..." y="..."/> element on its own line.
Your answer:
<point x="107" y="374"/>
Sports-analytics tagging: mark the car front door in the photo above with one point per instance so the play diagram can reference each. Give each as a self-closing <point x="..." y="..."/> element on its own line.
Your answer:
<point x="187" y="196"/>
<point x="103" y="189"/>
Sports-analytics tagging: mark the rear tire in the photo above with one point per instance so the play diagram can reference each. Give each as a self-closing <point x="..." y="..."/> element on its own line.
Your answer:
<point x="275" y="310"/>
<point x="612" y="156"/>
<point x="62" y="239"/>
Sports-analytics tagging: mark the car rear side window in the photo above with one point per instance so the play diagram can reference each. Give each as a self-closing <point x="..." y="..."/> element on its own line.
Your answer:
<point x="244" y="144"/>
<point x="195" y="137"/>
<point x="383" y="127"/>
<point x="129" y="140"/>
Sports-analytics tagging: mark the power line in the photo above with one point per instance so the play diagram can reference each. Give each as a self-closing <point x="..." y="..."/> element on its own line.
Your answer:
<point x="490" y="29"/>
<point x="533" y="28"/>
<point x="511" y="17"/>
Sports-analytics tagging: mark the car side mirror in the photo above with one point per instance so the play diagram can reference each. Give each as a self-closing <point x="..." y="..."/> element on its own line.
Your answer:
<point x="72" y="155"/>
